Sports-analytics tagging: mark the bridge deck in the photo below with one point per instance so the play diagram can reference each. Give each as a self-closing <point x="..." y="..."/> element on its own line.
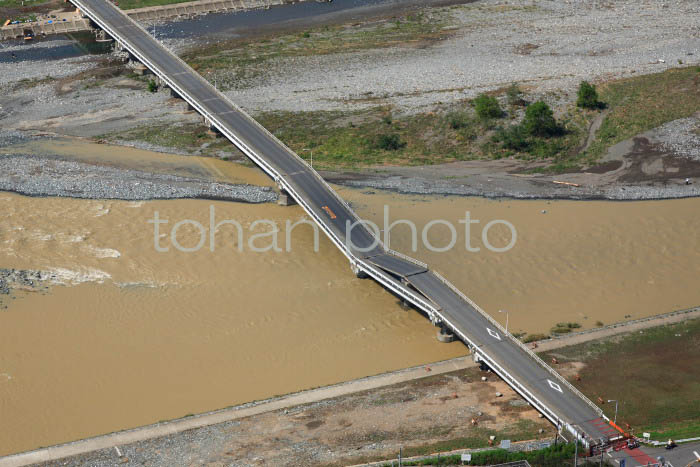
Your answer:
<point x="539" y="385"/>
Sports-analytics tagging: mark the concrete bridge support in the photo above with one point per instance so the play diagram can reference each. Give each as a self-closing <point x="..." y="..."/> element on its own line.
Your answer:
<point x="445" y="335"/>
<point x="285" y="199"/>
<point x="359" y="273"/>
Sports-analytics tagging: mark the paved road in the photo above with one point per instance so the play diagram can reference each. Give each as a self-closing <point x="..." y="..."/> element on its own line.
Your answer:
<point x="681" y="456"/>
<point x="531" y="379"/>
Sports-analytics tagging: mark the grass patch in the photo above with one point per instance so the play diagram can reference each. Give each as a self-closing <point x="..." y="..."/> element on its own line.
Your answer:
<point x="521" y="431"/>
<point x="131" y="4"/>
<point x="240" y="63"/>
<point x="369" y="137"/>
<point x="564" y="328"/>
<point x="653" y="374"/>
<point x="553" y="456"/>
<point x="18" y="3"/>
<point x="645" y="102"/>
<point x="372" y="137"/>
<point x="188" y="137"/>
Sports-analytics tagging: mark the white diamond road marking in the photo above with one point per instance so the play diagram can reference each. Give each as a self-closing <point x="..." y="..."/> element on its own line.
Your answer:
<point x="493" y="333"/>
<point x="554" y="385"/>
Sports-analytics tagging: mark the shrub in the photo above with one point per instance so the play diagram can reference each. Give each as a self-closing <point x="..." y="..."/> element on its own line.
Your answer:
<point x="487" y="107"/>
<point x="458" y="120"/>
<point x="535" y="337"/>
<point x="152" y="86"/>
<point x="587" y="96"/>
<point x="539" y="120"/>
<point x="513" y="137"/>
<point x="514" y="93"/>
<point x="390" y="142"/>
<point x="565" y="328"/>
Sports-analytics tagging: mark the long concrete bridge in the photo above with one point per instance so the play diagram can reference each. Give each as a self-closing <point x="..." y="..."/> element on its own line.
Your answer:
<point x="405" y="277"/>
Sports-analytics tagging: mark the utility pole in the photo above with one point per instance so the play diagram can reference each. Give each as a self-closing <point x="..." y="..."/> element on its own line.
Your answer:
<point x="576" y="452"/>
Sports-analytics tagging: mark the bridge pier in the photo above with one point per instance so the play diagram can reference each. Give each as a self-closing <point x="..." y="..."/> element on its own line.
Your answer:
<point x="285" y="199"/>
<point x="102" y="36"/>
<point x="359" y="273"/>
<point x="212" y="130"/>
<point x="445" y="335"/>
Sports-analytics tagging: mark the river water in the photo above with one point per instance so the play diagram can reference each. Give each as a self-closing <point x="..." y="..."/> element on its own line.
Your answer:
<point x="134" y="335"/>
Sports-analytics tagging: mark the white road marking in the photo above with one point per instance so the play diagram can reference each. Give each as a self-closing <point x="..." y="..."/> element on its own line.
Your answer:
<point x="555" y="386"/>
<point x="493" y="333"/>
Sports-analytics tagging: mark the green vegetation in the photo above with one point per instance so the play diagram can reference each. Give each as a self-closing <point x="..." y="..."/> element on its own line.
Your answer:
<point x="18" y="3"/>
<point x="28" y="83"/>
<point x="391" y="142"/>
<point x="534" y="337"/>
<point x="152" y="86"/>
<point x="652" y="373"/>
<point x="553" y="456"/>
<point x="487" y="107"/>
<point x="645" y="102"/>
<point x="539" y="120"/>
<point x="373" y="137"/>
<point x="353" y="139"/>
<point x="239" y="63"/>
<point x="519" y="431"/>
<point x="587" y="96"/>
<point x="130" y="4"/>
<point x="514" y="95"/>
<point x="564" y="328"/>
<point x="188" y="137"/>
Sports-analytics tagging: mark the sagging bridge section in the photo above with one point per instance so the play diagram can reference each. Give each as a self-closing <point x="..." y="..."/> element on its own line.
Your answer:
<point x="405" y="277"/>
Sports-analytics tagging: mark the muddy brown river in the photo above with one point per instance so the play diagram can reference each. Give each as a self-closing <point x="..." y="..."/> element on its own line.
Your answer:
<point x="128" y="335"/>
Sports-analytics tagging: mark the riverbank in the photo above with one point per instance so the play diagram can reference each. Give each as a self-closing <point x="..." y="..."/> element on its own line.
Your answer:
<point x="340" y="424"/>
<point x="333" y="98"/>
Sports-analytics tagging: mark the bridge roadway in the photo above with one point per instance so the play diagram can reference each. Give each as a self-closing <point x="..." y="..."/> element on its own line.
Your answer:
<point x="409" y="279"/>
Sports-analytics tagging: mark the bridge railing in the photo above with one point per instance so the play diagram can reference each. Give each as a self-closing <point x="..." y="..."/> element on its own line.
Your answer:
<point x="522" y="345"/>
<point x="407" y="258"/>
<point x="273" y="172"/>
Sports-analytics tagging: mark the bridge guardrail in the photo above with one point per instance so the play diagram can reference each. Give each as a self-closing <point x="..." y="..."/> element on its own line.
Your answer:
<point x="407" y="258"/>
<point x="377" y="275"/>
<point x="522" y="345"/>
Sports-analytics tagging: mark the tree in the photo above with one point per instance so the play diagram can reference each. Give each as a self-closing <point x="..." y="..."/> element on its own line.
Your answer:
<point x="152" y="86"/>
<point x="390" y="142"/>
<point x="539" y="120"/>
<point x="487" y="107"/>
<point x="587" y="96"/>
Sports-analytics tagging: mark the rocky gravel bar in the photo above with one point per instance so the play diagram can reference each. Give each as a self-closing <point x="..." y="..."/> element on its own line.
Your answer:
<point x="48" y="176"/>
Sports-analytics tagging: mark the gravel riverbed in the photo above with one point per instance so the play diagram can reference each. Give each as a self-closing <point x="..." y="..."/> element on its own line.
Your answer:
<point x="47" y="176"/>
<point x="547" y="46"/>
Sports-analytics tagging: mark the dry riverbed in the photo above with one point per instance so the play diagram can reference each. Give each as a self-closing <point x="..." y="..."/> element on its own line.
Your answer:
<point x="404" y="72"/>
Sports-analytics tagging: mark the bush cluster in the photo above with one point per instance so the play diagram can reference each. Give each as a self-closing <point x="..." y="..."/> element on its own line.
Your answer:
<point x="390" y="142"/>
<point x="487" y="107"/>
<point x="587" y="96"/>
<point x="539" y="120"/>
